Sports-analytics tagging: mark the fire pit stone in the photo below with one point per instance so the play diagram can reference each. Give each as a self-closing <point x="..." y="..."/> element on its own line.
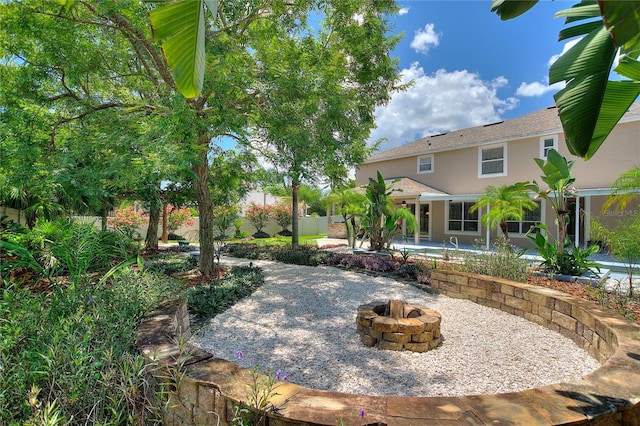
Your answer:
<point x="396" y="325"/>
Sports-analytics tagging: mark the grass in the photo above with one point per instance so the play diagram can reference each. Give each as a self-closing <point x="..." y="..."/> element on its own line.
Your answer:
<point x="279" y="240"/>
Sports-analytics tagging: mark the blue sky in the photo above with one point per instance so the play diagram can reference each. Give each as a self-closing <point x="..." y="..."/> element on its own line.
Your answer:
<point x="469" y="67"/>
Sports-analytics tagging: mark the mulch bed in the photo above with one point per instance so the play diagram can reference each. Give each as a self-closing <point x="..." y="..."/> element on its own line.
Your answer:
<point x="619" y="303"/>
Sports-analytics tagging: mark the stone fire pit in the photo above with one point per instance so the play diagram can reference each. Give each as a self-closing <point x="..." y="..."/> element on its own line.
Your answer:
<point x="397" y="326"/>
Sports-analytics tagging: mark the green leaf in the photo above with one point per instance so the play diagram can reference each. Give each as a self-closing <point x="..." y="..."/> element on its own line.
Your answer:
<point x="182" y="27"/>
<point x="580" y="11"/>
<point x="579" y="30"/>
<point x="509" y="9"/>
<point x="618" y="98"/>
<point x="622" y="18"/>
<point x="629" y="68"/>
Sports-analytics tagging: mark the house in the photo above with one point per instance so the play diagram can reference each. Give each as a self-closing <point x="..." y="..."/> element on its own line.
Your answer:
<point x="441" y="176"/>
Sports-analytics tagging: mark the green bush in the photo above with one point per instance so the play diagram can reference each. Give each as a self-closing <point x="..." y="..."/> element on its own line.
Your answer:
<point x="300" y="256"/>
<point x="67" y="247"/>
<point x="170" y="263"/>
<point x="77" y="346"/>
<point x="208" y="301"/>
<point x="503" y="262"/>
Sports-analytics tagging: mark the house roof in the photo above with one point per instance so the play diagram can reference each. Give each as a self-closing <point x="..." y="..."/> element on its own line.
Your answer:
<point x="407" y="187"/>
<point x="538" y="123"/>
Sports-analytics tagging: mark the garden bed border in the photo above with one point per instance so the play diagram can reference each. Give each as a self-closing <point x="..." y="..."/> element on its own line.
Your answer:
<point x="211" y="388"/>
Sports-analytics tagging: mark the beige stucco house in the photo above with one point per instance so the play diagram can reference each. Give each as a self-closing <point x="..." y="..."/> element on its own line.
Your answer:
<point x="441" y="176"/>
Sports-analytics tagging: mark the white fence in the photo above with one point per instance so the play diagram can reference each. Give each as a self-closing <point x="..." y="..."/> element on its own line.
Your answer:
<point x="307" y="225"/>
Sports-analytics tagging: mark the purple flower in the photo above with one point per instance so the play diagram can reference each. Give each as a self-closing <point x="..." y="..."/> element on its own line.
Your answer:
<point x="278" y="373"/>
<point x="361" y="412"/>
<point x="240" y="354"/>
<point x="285" y="377"/>
<point x="90" y="299"/>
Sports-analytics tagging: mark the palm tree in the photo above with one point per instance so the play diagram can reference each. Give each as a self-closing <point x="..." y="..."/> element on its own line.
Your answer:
<point x="351" y="205"/>
<point x="624" y="189"/>
<point x="505" y="202"/>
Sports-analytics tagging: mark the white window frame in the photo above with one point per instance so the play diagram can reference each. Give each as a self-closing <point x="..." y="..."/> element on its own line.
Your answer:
<point x="542" y="220"/>
<point x="461" y="232"/>
<point x="504" y="160"/>
<point x="543" y="148"/>
<point x="425" y="171"/>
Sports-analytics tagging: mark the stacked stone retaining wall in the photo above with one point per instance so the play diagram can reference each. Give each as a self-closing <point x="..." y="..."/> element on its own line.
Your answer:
<point x="211" y="388"/>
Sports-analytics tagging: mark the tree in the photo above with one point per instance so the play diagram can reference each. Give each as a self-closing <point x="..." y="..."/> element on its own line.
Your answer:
<point x="258" y="215"/>
<point x="350" y="203"/>
<point x="320" y="89"/>
<point x="591" y="105"/>
<point x="282" y="215"/>
<point x="99" y="58"/>
<point x="378" y="207"/>
<point x="505" y="202"/>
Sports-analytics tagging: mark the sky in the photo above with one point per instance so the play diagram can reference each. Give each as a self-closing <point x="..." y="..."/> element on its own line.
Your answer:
<point x="469" y="68"/>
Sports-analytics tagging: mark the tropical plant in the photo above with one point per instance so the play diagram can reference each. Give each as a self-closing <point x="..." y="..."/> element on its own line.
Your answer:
<point x="623" y="242"/>
<point x="237" y="224"/>
<point x="350" y="203"/>
<point x="624" y="189"/>
<point x="378" y="207"/>
<point x="590" y="105"/>
<point x="505" y="202"/>
<point x="572" y="260"/>
<point x="400" y="220"/>
<point x="557" y="175"/>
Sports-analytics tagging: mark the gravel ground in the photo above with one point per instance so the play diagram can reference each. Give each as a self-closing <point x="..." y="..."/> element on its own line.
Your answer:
<point x="302" y="321"/>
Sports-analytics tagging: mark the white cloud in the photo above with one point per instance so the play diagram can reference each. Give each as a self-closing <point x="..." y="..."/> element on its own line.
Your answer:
<point x="424" y="39"/>
<point x="568" y="45"/>
<point x="439" y="103"/>
<point x="537" y="88"/>
<point x="403" y="11"/>
<point x="540" y="88"/>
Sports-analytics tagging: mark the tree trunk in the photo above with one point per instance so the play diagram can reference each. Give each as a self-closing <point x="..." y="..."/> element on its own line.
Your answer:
<point x="205" y="211"/>
<point x="103" y="216"/>
<point x="294" y="213"/>
<point x="151" y="240"/>
<point x="165" y="221"/>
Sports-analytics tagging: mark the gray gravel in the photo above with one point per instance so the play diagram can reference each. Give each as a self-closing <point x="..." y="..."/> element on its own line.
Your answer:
<point x="302" y="322"/>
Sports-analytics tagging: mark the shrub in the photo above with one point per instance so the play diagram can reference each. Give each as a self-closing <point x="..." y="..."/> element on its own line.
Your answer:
<point x="379" y="263"/>
<point x="504" y="262"/>
<point x="258" y="216"/>
<point x="282" y="215"/>
<point x="177" y="217"/>
<point x="127" y="220"/>
<point x="170" y="263"/>
<point x="77" y="345"/>
<point x="62" y="247"/>
<point x="208" y="301"/>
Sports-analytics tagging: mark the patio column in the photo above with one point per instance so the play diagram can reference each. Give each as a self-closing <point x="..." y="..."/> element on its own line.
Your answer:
<point x="488" y="231"/>
<point x="576" y="243"/>
<point x="416" y="213"/>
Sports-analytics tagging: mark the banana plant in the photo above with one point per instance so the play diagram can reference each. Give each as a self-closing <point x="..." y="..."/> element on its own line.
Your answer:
<point x="180" y="26"/>
<point x="557" y="175"/>
<point x="591" y="104"/>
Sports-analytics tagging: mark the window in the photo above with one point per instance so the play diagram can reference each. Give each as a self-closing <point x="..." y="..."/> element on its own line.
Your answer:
<point x="460" y="219"/>
<point x="530" y="219"/>
<point x="425" y="164"/>
<point x="493" y="161"/>
<point x="547" y="143"/>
